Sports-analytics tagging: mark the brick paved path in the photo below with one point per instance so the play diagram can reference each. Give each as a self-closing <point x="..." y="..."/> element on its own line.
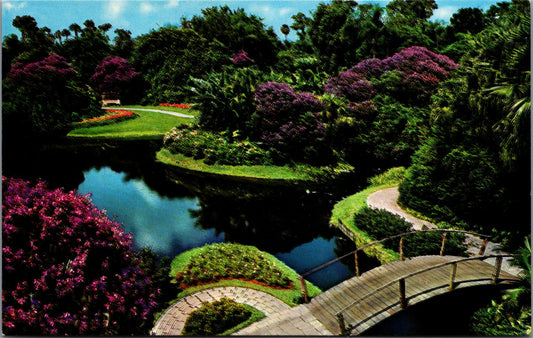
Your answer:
<point x="173" y="319"/>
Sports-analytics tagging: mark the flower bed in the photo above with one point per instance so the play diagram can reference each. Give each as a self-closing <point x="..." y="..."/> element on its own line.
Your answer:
<point x="112" y="115"/>
<point x="175" y="105"/>
<point x="217" y="262"/>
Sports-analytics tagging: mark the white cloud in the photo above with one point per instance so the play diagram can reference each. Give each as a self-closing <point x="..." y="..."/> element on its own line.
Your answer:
<point x="10" y="5"/>
<point x="173" y="3"/>
<point x="286" y="10"/>
<point x="146" y="8"/>
<point x="444" y="13"/>
<point x="114" y="8"/>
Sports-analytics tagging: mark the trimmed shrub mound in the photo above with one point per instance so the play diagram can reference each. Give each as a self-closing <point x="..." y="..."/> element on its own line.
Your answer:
<point x="216" y="318"/>
<point x="217" y="262"/>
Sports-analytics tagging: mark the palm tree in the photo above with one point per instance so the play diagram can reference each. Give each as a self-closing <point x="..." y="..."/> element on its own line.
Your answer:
<point x="65" y="33"/>
<point x="285" y="30"/>
<point x="75" y="28"/>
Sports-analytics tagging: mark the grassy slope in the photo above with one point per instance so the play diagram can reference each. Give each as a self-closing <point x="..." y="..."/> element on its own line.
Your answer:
<point x="287" y="296"/>
<point x="346" y="210"/>
<point x="256" y="171"/>
<point x="147" y="125"/>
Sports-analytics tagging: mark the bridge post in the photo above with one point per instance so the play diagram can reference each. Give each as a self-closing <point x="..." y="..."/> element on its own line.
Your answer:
<point x="356" y="260"/>
<point x="497" y="269"/>
<point x="403" y="301"/>
<point x="483" y="246"/>
<point x="342" y="325"/>
<point x="443" y="242"/>
<point x="401" y="248"/>
<point x="452" y="277"/>
<point x="303" y="287"/>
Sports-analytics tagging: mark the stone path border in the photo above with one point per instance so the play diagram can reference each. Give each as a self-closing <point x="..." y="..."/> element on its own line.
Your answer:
<point x="173" y="319"/>
<point x="387" y="198"/>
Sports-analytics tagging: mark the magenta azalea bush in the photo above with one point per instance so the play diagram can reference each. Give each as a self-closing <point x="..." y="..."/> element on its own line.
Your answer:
<point x="67" y="268"/>
<point x="113" y="74"/>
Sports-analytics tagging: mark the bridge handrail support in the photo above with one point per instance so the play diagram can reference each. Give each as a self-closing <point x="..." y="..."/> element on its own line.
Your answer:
<point x="497" y="270"/>
<point x="315" y="269"/>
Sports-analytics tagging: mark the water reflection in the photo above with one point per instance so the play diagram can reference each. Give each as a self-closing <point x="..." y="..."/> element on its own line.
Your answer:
<point x="172" y="211"/>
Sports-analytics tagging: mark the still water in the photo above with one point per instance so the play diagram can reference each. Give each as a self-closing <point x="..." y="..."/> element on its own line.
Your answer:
<point x="172" y="225"/>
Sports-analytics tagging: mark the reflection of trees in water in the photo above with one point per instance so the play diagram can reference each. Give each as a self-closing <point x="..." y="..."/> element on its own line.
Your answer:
<point x="343" y="246"/>
<point x="274" y="222"/>
<point x="63" y="164"/>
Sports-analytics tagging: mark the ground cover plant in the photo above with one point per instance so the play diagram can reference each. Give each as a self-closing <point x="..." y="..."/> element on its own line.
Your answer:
<point x="225" y="264"/>
<point x="219" y="318"/>
<point x="67" y="268"/>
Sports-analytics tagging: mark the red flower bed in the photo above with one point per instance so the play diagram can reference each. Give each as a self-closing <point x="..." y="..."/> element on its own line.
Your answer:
<point x="118" y="114"/>
<point x="175" y="105"/>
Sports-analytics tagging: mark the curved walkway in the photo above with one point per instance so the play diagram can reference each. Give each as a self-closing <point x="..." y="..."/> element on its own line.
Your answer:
<point x="155" y="111"/>
<point x="173" y="319"/>
<point x="386" y="199"/>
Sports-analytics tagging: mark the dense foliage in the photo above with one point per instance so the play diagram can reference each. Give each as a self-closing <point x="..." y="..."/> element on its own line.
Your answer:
<point x="473" y="167"/>
<point x="215" y="318"/>
<point x="67" y="268"/>
<point x="229" y="261"/>
<point x="380" y="224"/>
<point x="44" y="97"/>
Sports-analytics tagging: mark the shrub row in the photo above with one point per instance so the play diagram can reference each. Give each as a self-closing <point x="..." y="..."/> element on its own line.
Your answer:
<point x="214" y="147"/>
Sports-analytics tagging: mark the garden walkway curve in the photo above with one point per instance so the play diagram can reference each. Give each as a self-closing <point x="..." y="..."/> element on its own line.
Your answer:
<point x="387" y="199"/>
<point x="173" y="319"/>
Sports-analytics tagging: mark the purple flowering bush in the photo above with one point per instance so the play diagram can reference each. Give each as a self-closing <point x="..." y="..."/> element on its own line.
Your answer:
<point x="67" y="268"/>
<point x="289" y="123"/>
<point x="416" y="73"/>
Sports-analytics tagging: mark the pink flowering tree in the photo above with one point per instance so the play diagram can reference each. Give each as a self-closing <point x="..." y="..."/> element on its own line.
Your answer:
<point x="67" y="268"/>
<point x="114" y="75"/>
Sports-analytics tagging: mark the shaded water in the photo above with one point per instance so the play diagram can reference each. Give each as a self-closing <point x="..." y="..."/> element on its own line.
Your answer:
<point x="171" y="211"/>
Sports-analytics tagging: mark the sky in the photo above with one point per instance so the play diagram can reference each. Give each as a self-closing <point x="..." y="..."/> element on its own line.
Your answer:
<point x="141" y="16"/>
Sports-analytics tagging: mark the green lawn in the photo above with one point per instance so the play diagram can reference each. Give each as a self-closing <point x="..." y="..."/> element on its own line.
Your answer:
<point x="254" y="171"/>
<point x="148" y="125"/>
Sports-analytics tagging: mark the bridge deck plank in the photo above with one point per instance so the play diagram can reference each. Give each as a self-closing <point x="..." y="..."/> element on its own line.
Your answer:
<point x="378" y="305"/>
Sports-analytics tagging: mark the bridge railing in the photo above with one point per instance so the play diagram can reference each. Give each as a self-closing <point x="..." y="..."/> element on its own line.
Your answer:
<point x="400" y="248"/>
<point x="402" y="300"/>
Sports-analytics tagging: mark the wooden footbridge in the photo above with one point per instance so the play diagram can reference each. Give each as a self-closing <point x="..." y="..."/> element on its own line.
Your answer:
<point x="359" y="303"/>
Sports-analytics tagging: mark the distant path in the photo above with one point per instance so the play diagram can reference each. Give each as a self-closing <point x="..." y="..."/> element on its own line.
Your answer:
<point x="155" y="111"/>
<point x="387" y="199"/>
<point x="172" y="321"/>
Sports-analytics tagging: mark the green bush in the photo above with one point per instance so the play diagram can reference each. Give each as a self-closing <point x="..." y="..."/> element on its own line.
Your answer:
<point x="380" y="224"/>
<point x="214" y="147"/>
<point x="215" y="318"/>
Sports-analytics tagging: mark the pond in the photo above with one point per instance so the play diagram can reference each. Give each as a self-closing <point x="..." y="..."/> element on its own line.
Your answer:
<point x="172" y="212"/>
